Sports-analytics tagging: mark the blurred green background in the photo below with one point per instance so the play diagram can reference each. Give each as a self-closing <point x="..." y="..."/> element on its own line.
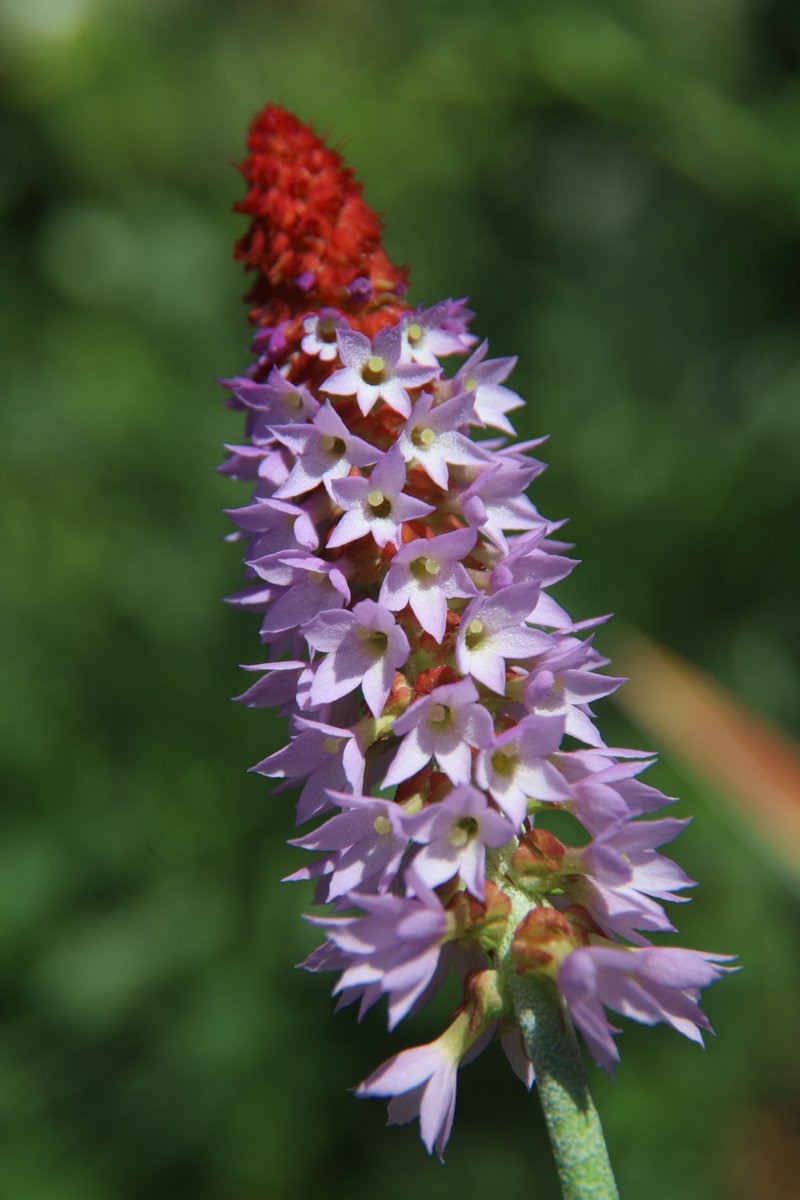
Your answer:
<point x="616" y="184"/>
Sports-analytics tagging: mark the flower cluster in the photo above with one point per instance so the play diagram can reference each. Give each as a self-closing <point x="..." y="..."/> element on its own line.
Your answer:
<point x="439" y="699"/>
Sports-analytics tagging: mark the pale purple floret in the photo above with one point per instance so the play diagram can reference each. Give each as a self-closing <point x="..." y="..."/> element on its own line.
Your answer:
<point x="651" y="985"/>
<point x="319" y="329"/>
<point x="308" y="586"/>
<point x="261" y="461"/>
<point x="327" y="757"/>
<point x="492" y="400"/>
<point x="277" y="402"/>
<point x="515" y="766"/>
<point x="431" y="437"/>
<point x="394" y="948"/>
<point x="376" y="506"/>
<point x="373" y="371"/>
<point x="456" y="317"/>
<point x="369" y="839"/>
<point x="444" y="724"/>
<point x="604" y="792"/>
<point x="426" y="573"/>
<point x="422" y="1081"/>
<point x="275" y="525"/>
<point x="277" y="687"/>
<point x="495" y="502"/>
<point x="626" y="878"/>
<point x="564" y="682"/>
<point x="493" y="630"/>
<point x="531" y="558"/>
<point x="427" y="338"/>
<point x="363" y="648"/>
<point x="324" y="450"/>
<point x="454" y="834"/>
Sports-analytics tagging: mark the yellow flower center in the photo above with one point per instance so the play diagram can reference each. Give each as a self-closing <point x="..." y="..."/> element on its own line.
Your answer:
<point x="504" y="764"/>
<point x="332" y="444"/>
<point x="423" y="437"/>
<point x="475" y="631"/>
<point x="373" y="369"/>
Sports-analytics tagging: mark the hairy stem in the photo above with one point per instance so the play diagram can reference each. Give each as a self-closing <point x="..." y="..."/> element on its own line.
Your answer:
<point x="573" y="1124"/>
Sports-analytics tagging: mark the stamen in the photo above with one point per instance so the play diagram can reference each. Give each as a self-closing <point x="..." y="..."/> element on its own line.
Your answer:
<point x="504" y="764"/>
<point x="332" y="444"/>
<point x="415" y="333"/>
<point x="382" y="825"/>
<point x="423" y="437"/>
<point x="475" y="632"/>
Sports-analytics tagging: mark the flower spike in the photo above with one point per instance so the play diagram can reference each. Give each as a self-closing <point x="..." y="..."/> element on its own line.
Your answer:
<point x="439" y="698"/>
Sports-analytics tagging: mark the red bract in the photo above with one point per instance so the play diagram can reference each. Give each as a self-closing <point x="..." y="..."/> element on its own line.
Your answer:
<point x="313" y="240"/>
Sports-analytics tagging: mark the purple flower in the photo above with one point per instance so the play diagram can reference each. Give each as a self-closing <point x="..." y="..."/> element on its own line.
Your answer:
<point x="650" y="985"/>
<point x="445" y="723"/>
<point x="369" y="839"/>
<point x="309" y="585"/>
<point x="277" y="402"/>
<point x="372" y="371"/>
<point x="495" y="503"/>
<point x="604" y="792"/>
<point x="625" y="877"/>
<point x="492" y="401"/>
<point x="325" y="450"/>
<point x="514" y="767"/>
<point x="276" y="525"/>
<point x="563" y="682"/>
<point x="426" y="573"/>
<point x="430" y="437"/>
<point x="492" y="630"/>
<point x="454" y="834"/>
<point x="427" y="338"/>
<point x="423" y="1081"/>
<point x="320" y="331"/>
<point x="278" y="686"/>
<point x="394" y="948"/>
<point x="363" y="649"/>
<point x="377" y="505"/>
<point x="328" y="758"/>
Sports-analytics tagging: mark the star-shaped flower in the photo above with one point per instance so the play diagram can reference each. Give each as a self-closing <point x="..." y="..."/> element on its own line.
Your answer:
<point x="363" y="648"/>
<point x="514" y="767"/>
<point x="443" y="724"/>
<point x="492" y="630"/>
<point x="372" y="371"/>
<point x="431" y="437"/>
<point x="377" y="505"/>
<point x="454" y="834"/>
<point x="426" y="573"/>
<point x="320" y="331"/>
<point x="325" y="450"/>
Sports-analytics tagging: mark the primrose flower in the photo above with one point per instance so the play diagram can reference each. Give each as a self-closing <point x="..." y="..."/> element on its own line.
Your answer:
<point x="422" y="1082"/>
<point x="364" y="647"/>
<point x="652" y="985"/>
<point x="443" y="724"/>
<point x="377" y="506"/>
<point x="438" y="696"/>
<point x="372" y="371"/>
<point x="426" y="573"/>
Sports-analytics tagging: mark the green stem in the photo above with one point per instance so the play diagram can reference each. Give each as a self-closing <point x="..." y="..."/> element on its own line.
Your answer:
<point x="572" y="1121"/>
